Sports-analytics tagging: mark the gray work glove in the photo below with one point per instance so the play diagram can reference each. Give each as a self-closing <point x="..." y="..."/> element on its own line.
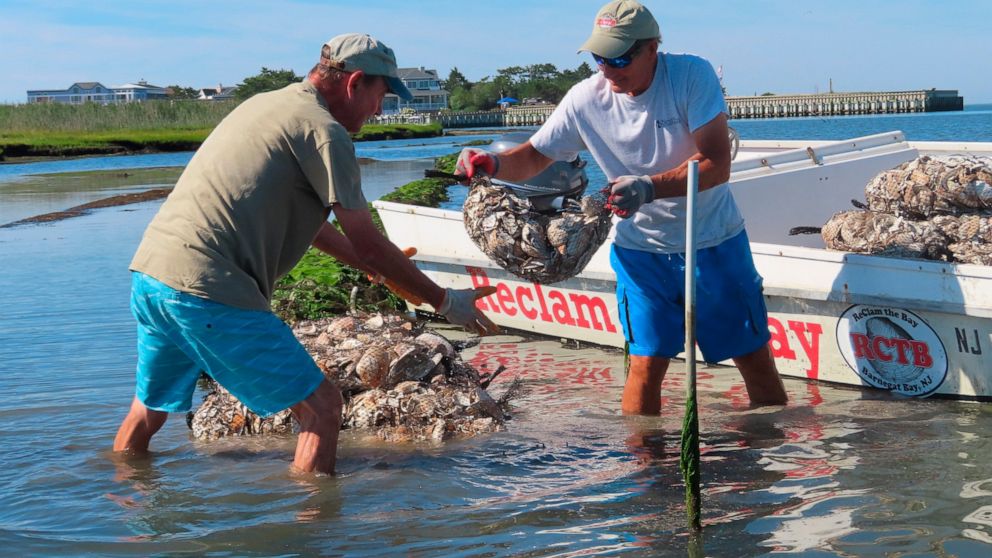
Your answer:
<point x="473" y="161"/>
<point x="628" y="193"/>
<point x="458" y="307"/>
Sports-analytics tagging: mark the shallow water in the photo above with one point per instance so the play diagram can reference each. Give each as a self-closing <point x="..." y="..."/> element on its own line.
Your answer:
<point x="31" y="195"/>
<point x="839" y="472"/>
<point x="972" y="124"/>
<point x="389" y="150"/>
<point x="29" y="189"/>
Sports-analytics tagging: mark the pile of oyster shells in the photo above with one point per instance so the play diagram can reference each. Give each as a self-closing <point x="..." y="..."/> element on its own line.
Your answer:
<point x="532" y="245"/>
<point x="400" y="382"/>
<point x="937" y="208"/>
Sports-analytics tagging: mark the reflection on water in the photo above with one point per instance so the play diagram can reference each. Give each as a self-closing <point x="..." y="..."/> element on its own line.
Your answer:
<point x="839" y="472"/>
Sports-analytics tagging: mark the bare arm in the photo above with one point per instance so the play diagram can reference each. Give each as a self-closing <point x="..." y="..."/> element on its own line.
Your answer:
<point x="374" y="253"/>
<point x="330" y="241"/>
<point x="713" y="146"/>
<point x="521" y="163"/>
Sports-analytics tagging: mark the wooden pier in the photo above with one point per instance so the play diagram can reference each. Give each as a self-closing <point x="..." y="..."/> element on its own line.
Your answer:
<point x="525" y="115"/>
<point x="763" y="106"/>
<point x="838" y="104"/>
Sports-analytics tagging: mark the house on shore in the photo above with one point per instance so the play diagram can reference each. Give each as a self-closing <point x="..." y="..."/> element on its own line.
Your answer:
<point x="76" y="94"/>
<point x="219" y="93"/>
<point x="95" y="92"/>
<point x="141" y="91"/>
<point x="428" y="96"/>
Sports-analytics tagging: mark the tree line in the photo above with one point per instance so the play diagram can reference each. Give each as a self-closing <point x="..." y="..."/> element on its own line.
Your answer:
<point x="543" y="82"/>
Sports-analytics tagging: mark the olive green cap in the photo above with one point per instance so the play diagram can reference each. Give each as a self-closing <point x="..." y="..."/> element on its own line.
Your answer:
<point x="617" y="26"/>
<point x="357" y="51"/>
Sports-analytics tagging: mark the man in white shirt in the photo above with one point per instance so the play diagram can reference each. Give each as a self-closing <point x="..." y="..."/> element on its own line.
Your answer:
<point x="643" y="116"/>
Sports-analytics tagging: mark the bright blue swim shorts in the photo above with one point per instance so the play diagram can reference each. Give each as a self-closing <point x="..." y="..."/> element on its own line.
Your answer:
<point x="253" y="354"/>
<point x="731" y="318"/>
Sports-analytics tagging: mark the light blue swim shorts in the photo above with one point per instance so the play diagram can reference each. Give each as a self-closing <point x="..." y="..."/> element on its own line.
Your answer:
<point x="253" y="354"/>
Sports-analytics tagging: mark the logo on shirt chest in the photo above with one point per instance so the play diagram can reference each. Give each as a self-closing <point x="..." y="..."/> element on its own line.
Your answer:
<point x="667" y="122"/>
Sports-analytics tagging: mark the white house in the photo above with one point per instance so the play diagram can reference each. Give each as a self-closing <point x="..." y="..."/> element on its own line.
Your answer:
<point x="95" y="92"/>
<point x="425" y="87"/>
<point x="141" y="91"/>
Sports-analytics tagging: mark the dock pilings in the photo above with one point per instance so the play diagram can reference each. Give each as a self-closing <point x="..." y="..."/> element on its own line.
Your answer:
<point x="839" y="104"/>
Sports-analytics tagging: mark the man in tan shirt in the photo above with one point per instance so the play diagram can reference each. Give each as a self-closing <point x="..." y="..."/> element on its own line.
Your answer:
<point x="255" y="196"/>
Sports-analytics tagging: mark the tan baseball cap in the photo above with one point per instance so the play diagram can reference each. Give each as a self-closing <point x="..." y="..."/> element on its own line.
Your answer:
<point x="617" y="26"/>
<point x="357" y="51"/>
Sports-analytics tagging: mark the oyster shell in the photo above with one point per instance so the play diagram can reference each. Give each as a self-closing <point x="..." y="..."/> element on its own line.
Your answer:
<point x="436" y="343"/>
<point x="373" y="367"/>
<point x="342" y="327"/>
<point x="414" y="364"/>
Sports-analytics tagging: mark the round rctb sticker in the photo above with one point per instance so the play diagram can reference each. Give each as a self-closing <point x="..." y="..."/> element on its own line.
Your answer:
<point x="891" y="348"/>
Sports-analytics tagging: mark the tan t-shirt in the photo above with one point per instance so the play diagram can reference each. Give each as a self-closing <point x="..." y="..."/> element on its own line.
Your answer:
<point x="252" y="199"/>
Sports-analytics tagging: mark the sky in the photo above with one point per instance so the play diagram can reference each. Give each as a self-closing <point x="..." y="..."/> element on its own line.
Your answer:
<point x="778" y="46"/>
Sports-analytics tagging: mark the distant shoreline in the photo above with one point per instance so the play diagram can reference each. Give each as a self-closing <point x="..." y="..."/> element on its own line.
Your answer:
<point x="41" y="146"/>
<point x="21" y="153"/>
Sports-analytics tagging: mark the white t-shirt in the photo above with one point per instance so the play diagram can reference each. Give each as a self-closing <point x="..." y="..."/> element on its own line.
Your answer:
<point x="648" y="134"/>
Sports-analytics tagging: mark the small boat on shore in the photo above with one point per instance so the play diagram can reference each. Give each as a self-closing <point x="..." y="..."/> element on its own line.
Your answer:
<point x="913" y="327"/>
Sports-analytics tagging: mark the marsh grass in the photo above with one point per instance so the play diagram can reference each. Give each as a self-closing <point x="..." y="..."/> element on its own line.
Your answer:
<point x="41" y="129"/>
<point x="91" y="117"/>
<point x="371" y="132"/>
<point x="320" y="286"/>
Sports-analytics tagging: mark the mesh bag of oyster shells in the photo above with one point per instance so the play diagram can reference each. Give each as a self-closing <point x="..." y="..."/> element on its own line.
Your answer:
<point x="928" y="186"/>
<point x="885" y="234"/>
<point x="534" y="245"/>
<point x="953" y="238"/>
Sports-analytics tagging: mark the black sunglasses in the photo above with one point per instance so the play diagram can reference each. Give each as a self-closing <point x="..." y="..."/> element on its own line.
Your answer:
<point x="621" y="61"/>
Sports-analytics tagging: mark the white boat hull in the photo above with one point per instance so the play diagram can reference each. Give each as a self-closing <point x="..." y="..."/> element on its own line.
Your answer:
<point x="916" y="328"/>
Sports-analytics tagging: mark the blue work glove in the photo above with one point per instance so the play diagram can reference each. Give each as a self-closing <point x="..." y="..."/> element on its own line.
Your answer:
<point x="472" y="161"/>
<point x="458" y="307"/>
<point x="628" y="193"/>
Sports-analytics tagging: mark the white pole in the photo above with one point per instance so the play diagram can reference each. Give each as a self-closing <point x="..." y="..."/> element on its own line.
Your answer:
<point x="692" y="188"/>
<point x="690" y="462"/>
